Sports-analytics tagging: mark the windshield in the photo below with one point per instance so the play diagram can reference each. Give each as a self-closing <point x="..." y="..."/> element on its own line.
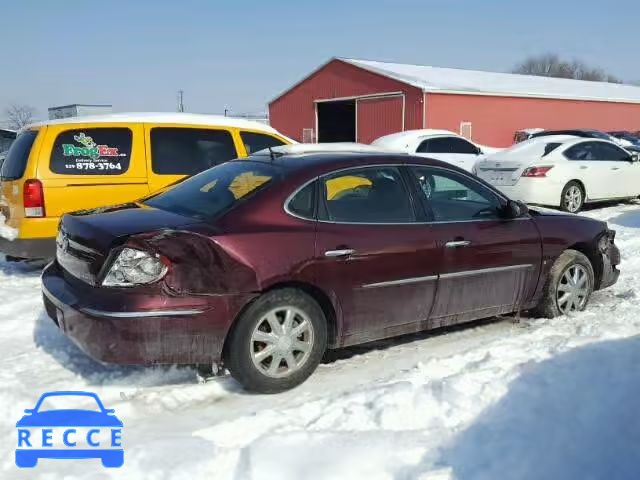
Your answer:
<point x="215" y="191"/>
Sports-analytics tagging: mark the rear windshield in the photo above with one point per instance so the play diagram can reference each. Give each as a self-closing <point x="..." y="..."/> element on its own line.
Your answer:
<point x="215" y="191"/>
<point x="16" y="162"/>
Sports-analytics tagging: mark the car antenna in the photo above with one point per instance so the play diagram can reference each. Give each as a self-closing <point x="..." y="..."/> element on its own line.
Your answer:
<point x="271" y="154"/>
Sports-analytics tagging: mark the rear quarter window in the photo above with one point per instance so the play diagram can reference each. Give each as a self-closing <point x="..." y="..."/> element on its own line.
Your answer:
<point x="16" y="162"/>
<point x="92" y="151"/>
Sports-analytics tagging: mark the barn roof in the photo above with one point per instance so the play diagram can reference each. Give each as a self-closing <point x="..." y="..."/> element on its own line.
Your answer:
<point x="475" y="82"/>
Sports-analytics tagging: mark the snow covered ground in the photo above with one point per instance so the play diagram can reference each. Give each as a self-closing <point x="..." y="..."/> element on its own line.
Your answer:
<point x="543" y="399"/>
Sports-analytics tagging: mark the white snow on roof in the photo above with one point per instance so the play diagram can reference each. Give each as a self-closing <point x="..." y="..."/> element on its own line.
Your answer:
<point x="164" y="117"/>
<point x="303" y="148"/>
<point x="473" y="82"/>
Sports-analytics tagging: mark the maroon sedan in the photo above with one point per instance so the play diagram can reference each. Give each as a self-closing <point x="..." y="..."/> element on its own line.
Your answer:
<point x="264" y="263"/>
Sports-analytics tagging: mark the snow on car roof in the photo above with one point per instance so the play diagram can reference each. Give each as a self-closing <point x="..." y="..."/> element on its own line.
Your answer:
<point x="408" y="134"/>
<point x="303" y="148"/>
<point x="534" y="146"/>
<point x="474" y="82"/>
<point x="164" y="117"/>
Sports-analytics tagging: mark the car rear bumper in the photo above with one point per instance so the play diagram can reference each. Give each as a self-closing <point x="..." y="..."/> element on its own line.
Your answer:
<point x="31" y="248"/>
<point x="536" y="191"/>
<point x="126" y="327"/>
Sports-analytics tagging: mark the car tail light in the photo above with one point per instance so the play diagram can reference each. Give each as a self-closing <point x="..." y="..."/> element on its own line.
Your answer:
<point x="33" y="198"/>
<point x="536" y="172"/>
<point x="135" y="267"/>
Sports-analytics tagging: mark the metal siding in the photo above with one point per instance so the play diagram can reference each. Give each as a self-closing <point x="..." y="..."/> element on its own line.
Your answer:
<point x="295" y="110"/>
<point x="377" y="117"/>
<point x="496" y="119"/>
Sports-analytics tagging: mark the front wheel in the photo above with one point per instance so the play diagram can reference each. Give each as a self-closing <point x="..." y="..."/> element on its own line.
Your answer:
<point x="569" y="286"/>
<point x="277" y="342"/>
<point x="572" y="198"/>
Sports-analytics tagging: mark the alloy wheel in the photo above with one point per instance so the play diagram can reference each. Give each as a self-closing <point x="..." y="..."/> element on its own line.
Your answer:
<point x="573" y="199"/>
<point x="573" y="289"/>
<point x="282" y="342"/>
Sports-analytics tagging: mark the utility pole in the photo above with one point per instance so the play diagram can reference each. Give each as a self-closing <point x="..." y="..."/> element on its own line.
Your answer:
<point x="180" y="104"/>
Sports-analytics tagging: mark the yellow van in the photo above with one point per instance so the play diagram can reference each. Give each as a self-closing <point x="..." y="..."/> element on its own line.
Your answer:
<point x="77" y="163"/>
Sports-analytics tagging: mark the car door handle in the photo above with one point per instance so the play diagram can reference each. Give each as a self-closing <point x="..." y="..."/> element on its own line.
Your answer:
<point x="457" y="244"/>
<point x="339" y="253"/>
<point x="583" y="168"/>
<point x="615" y="168"/>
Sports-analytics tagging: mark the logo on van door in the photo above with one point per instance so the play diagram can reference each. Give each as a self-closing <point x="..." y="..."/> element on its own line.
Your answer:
<point x="88" y="148"/>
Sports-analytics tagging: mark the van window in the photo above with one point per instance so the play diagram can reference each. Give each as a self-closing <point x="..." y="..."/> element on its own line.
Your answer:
<point x="16" y="162"/>
<point x="254" y="142"/>
<point x="187" y="151"/>
<point x="92" y="151"/>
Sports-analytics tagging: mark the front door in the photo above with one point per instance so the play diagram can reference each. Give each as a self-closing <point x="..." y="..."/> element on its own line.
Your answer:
<point x="489" y="265"/>
<point x="379" y="262"/>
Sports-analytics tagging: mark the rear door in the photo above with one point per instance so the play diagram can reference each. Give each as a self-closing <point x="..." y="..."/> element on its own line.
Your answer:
<point x="175" y="152"/>
<point x="599" y="175"/>
<point x="489" y="265"/>
<point x="453" y="150"/>
<point x="91" y="165"/>
<point x="372" y="253"/>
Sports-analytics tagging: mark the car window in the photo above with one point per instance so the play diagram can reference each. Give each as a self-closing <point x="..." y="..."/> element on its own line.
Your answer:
<point x="92" y="151"/>
<point x="254" y="142"/>
<point x="581" y="152"/>
<point x="606" y="151"/>
<point x="596" y="151"/>
<point x="454" y="197"/>
<point x="447" y="145"/>
<point x="187" y="151"/>
<point x="217" y="190"/>
<point x="16" y="161"/>
<point x="302" y="203"/>
<point x="367" y="195"/>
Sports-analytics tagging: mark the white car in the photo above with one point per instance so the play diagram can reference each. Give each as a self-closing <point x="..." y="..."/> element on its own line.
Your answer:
<point x="563" y="171"/>
<point x="437" y="144"/>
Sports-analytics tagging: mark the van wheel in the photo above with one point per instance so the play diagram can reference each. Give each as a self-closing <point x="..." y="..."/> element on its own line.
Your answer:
<point x="568" y="287"/>
<point x="572" y="198"/>
<point x="277" y="342"/>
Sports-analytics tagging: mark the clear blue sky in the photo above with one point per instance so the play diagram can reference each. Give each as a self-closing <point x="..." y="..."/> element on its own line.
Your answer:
<point x="239" y="53"/>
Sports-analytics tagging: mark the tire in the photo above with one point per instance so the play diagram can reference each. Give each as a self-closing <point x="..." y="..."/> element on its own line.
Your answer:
<point x="255" y="331"/>
<point x="551" y="304"/>
<point x="572" y="197"/>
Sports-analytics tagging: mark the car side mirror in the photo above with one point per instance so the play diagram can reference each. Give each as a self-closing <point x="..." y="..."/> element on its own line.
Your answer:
<point x="479" y="151"/>
<point x="109" y="410"/>
<point x="515" y="209"/>
<point x="634" y="157"/>
<point x="28" y="410"/>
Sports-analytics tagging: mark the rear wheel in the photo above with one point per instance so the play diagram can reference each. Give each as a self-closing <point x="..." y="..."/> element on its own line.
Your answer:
<point x="277" y="342"/>
<point x="573" y="197"/>
<point x="568" y="287"/>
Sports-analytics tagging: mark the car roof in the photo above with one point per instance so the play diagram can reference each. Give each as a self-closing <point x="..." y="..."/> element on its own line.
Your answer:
<point x="411" y="134"/>
<point x="162" y="117"/>
<point x="320" y="163"/>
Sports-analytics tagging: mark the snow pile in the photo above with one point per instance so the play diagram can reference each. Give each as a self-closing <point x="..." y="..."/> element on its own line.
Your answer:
<point x="540" y="399"/>
<point x="6" y="231"/>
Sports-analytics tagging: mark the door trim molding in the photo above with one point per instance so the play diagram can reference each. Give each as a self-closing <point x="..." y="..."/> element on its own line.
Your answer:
<point x="482" y="271"/>
<point x="402" y="281"/>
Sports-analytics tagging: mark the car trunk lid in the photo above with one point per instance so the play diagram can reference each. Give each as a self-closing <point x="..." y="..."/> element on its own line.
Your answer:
<point x="85" y="238"/>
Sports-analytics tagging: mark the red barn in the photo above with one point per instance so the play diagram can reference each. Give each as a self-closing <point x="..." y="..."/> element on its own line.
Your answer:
<point x="361" y="100"/>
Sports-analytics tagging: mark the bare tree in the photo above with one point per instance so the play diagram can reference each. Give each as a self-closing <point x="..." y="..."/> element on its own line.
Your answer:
<point x="19" y="115"/>
<point x="551" y="65"/>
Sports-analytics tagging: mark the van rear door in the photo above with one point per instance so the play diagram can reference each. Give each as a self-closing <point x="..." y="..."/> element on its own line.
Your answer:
<point x="16" y="167"/>
<point x="92" y="165"/>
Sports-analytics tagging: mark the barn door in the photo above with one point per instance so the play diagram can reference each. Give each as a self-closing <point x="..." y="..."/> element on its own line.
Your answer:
<point x="378" y="116"/>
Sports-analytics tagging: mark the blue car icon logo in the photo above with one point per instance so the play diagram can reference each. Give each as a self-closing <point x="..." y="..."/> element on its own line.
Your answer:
<point x="92" y="431"/>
